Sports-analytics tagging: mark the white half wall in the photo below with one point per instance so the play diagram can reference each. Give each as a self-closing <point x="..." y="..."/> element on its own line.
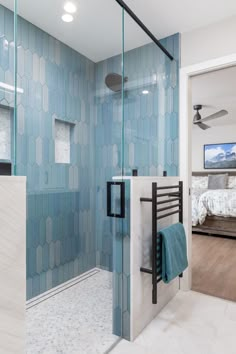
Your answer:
<point x="214" y="135"/>
<point x="12" y="264"/>
<point x="142" y="309"/>
<point x="211" y="42"/>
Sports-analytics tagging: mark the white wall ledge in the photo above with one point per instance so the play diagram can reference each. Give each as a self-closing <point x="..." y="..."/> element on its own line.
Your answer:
<point x="144" y="178"/>
<point x="13" y="179"/>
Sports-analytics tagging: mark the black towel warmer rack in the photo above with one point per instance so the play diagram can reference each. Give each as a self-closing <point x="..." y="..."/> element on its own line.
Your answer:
<point x="176" y="195"/>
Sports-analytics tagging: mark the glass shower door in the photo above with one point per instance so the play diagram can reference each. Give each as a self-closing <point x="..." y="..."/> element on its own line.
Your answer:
<point x="118" y="195"/>
<point x="149" y="142"/>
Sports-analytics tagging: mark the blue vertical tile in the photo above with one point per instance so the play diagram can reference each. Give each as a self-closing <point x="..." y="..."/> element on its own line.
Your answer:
<point x="8" y="25"/>
<point x="4" y="53"/>
<point x="43" y="284"/>
<point x="55" y="277"/>
<point x="2" y="21"/>
<point x="29" y="291"/>
<point x="45" y="257"/>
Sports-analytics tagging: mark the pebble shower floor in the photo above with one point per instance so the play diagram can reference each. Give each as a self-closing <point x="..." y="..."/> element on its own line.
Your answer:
<point x="76" y="319"/>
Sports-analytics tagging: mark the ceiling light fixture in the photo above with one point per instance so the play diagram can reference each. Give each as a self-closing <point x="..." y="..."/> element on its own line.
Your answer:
<point x="70" y="7"/>
<point x="67" y="18"/>
<point x="145" y="92"/>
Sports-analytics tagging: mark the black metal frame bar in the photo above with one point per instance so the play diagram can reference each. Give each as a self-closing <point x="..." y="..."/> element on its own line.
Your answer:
<point x="154" y="242"/>
<point x="144" y="28"/>
<point x="156" y="270"/>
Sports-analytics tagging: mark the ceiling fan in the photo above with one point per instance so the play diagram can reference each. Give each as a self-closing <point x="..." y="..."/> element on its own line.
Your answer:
<point x="200" y="122"/>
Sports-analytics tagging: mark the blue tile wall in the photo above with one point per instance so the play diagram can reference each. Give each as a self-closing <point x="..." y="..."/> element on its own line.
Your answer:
<point x="58" y="83"/>
<point x="150" y="125"/>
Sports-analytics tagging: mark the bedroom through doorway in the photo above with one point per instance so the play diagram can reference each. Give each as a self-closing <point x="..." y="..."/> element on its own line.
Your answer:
<point x="213" y="118"/>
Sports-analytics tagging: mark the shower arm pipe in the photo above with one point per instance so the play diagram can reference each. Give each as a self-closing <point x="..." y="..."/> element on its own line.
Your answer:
<point x="145" y="29"/>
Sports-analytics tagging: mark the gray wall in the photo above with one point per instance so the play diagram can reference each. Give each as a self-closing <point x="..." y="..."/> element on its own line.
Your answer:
<point x="214" y="41"/>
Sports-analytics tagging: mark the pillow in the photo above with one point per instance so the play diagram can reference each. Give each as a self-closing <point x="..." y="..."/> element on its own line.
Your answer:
<point x="217" y="181"/>
<point x="199" y="182"/>
<point x="232" y="182"/>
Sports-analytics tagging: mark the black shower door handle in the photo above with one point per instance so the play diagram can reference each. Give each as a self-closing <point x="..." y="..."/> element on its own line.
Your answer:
<point x="122" y="199"/>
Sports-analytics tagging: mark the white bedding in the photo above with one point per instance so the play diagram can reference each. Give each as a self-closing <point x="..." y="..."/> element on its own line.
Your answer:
<point x="196" y="193"/>
<point x="220" y="202"/>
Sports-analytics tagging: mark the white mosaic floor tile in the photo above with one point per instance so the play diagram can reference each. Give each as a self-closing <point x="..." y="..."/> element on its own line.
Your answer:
<point x="75" y="321"/>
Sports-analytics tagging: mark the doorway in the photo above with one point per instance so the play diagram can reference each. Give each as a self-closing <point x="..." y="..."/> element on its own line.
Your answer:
<point x="210" y="253"/>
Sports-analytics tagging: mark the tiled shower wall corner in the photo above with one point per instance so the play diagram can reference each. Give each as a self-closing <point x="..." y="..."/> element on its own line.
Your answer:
<point x="58" y="83"/>
<point x="151" y="128"/>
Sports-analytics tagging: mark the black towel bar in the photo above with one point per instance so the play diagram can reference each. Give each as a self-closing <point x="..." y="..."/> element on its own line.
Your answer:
<point x="175" y="196"/>
<point x="145" y="199"/>
<point x="168" y="187"/>
<point x="169" y="214"/>
<point x="167" y="208"/>
<point x="166" y="201"/>
<point x="167" y="195"/>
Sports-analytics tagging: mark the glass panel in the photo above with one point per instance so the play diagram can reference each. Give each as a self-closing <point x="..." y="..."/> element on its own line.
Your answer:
<point x="69" y="145"/>
<point x="91" y="99"/>
<point x="150" y="104"/>
<point x="8" y="84"/>
<point x="109" y="161"/>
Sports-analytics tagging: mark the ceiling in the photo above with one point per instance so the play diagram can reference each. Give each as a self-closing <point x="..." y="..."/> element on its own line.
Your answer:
<point x="215" y="91"/>
<point x="96" y="30"/>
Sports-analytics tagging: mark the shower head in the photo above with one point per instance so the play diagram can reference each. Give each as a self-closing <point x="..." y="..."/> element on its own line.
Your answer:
<point x="114" y="82"/>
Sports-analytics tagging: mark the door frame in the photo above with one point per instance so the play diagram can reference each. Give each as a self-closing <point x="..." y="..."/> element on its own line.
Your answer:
<point x="185" y="144"/>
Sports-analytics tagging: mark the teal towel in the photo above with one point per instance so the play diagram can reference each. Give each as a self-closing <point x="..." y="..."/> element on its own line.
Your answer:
<point x="174" y="252"/>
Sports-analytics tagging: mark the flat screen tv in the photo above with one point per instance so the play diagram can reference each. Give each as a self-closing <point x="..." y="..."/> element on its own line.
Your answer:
<point x="220" y="156"/>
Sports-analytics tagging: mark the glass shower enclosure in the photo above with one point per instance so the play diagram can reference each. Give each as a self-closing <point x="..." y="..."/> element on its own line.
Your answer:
<point x="87" y="103"/>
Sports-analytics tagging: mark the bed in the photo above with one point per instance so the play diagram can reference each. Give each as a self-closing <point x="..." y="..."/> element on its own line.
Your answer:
<point x="214" y="211"/>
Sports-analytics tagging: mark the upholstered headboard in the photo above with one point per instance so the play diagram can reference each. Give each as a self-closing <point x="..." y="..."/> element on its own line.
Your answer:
<point x="205" y="174"/>
<point x="200" y="179"/>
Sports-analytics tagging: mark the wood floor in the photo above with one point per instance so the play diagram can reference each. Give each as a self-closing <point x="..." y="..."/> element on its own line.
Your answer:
<point x="214" y="266"/>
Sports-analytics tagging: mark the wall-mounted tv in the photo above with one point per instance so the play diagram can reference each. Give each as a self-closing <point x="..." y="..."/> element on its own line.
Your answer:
<point x="220" y="156"/>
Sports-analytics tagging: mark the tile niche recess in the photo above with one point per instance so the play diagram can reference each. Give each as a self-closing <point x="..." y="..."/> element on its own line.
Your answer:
<point x="63" y="132"/>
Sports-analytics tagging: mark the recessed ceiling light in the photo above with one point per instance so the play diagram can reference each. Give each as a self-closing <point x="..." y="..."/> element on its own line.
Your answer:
<point x="70" y="7"/>
<point x="67" y="18"/>
<point x="145" y="92"/>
